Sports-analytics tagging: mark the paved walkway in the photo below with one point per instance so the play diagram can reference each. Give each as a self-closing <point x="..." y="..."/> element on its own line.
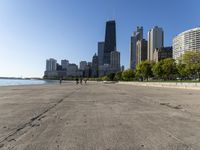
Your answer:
<point x="98" y="117"/>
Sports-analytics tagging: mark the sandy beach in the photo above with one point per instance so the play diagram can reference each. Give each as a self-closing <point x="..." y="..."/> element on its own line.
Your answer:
<point x="98" y="116"/>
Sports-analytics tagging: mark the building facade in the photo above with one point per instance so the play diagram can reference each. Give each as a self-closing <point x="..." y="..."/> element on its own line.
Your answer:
<point x="137" y="35"/>
<point x="72" y="70"/>
<point x="155" y="40"/>
<point x="82" y="65"/>
<point x="141" y="51"/>
<point x="51" y="64"/>
<point x="64" y="64"/>
<point x="51" y="68"/>
<point x="110" y="40"/>
<point x="186" y="41"/>
<point x="122" y="68"/>
<point x="104" y="70"/>
<point x="115" y="60"/>
<point x="95" y="66"/>
<point x="100" y="53"/>
<point x="88" y="70"/>
<point x="162" y="53"/>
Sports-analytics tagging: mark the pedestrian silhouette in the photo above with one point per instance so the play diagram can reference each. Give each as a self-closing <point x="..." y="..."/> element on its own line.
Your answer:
<point x="60" y="81"/>
<point x="81" y="80"/>
<point x="85" y="81"/>
<point x="77" y="81"/>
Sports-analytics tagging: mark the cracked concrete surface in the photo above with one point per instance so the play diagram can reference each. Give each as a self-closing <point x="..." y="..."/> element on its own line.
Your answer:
<point x="98" y="116"/>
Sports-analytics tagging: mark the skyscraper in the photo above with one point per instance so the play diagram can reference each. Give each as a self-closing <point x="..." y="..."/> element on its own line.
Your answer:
<point x="110" y="40"/>
<point x="82" y="65"/>
<point x="72" y="70"/>
<point x="141" y="51"/>
<point x="51" y="64"/>
<point x="186" y="41"/>
<point x="95" y="66"/>
<point x="155" y="40"/>
<point x="88" y="70"/>
<point x="115" y="60"/>
<point x="64" y="64"/>
<point x="137" y="35"/>
<point x="51" y="68"/>
<point x="100" y="53"/>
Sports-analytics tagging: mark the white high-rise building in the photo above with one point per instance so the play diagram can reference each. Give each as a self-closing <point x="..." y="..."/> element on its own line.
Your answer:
<point x="64" y="64"/>
<point x="186" y="41"/>
<point x="51" y="64"/>
<point x="155" y="40"/>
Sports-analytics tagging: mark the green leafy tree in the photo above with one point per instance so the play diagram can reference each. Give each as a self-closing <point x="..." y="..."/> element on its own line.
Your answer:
<point x="169" y="68"/>
<point x="144" y="70"/>
<point x="197" y="69"/>
<point x="111" y="76"/>
<point x="118" y="76"/>
<point x="194" y="70"/>
<point x="192" y="61"/>
<point x="182" y="71"/>
<point x="128" y="75"/>
<point x="158" y="70"/>
<point x="105" y="78"/>
<point x="191" y="57"/>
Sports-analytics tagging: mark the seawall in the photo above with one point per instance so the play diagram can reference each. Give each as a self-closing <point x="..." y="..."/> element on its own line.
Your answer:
<point x="182" y="85"/>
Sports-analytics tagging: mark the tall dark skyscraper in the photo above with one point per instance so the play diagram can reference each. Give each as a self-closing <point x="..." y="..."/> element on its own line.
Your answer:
<point x="110" y="40"/>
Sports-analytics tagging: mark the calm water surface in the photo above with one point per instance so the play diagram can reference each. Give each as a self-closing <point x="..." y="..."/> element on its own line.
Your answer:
<point x="7" y="82"/>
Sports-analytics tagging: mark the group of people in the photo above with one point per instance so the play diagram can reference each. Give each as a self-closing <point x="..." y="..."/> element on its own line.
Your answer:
<point x="81" y="80"/>
<point x="77" y="80"/>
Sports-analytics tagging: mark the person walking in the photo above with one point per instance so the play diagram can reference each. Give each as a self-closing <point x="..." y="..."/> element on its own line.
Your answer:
<point x="81" y="81"/>
<point x="77" y="81"/>
<point x="85" y="81"/>
<point x="60" y="80"/>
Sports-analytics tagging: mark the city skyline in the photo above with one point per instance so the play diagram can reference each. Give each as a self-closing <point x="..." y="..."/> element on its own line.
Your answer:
<point x="105" y="61"/>
<point x="33" y="31"/>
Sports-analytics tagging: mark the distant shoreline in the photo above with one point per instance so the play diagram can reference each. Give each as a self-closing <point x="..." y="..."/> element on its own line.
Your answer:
<point x="19" y="78"/>
<point x="20" y="81"/>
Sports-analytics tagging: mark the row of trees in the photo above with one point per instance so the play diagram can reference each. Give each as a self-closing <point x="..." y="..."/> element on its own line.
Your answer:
<point x="187" y="68"/>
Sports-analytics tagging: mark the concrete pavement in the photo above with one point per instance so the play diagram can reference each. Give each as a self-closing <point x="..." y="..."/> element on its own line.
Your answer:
<point x="99" y="116"/>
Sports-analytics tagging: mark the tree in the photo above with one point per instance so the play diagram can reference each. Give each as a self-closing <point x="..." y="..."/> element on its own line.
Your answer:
<point x="104" y="78"/>
<point x="169" y="68"/>
<point x="197" y="69"/>
<point x="128" y="75"/>
<point x="111" y="76"/>
<point x="191" y="57"/>
<point x="182" y="71"/>
<point x="192" y="61"/>
<point x="118" y="76"/>
<point x="158" y="70"/>
<point x="143" y="70"/>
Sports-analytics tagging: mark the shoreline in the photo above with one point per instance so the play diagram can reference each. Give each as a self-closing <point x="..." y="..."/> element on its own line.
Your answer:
<point x="45" y="82"/>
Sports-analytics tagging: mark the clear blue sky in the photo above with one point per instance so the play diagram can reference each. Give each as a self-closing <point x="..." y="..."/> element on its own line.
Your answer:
<point x="33" y="30"/>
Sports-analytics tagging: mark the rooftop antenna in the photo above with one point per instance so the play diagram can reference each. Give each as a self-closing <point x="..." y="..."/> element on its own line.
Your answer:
<point x="112" y="17"/>
<point x="114" y="14"/>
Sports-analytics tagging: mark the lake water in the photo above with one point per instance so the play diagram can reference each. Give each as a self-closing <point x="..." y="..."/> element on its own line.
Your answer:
<point x="7" y="82"/>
